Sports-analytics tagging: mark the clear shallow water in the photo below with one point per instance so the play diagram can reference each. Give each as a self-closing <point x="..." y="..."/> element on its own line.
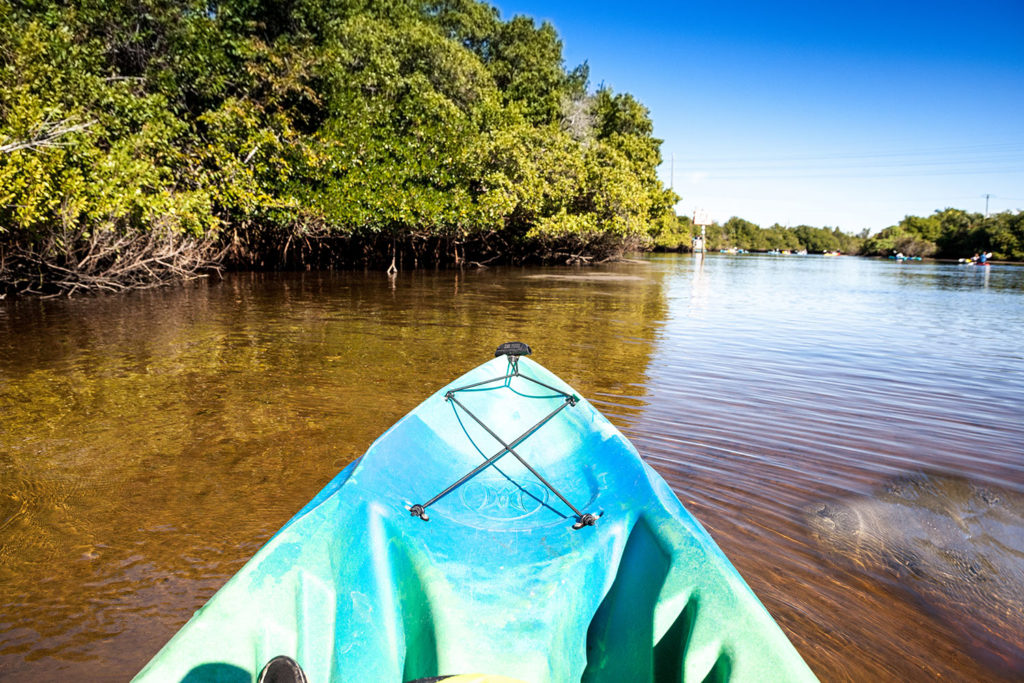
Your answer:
<point x="150" y="443"/>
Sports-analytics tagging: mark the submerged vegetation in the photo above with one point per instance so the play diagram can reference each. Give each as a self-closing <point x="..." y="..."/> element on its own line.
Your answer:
<point x="142" y="140"/>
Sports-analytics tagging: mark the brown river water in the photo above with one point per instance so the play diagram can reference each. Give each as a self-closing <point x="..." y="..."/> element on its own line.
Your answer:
<point x="150" y="443"/>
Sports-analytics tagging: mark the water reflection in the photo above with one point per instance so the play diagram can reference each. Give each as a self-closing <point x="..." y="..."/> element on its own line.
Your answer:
<point x="812" y="379"/>
<point x="957" y="276"/>
<point x="150" y="443"/>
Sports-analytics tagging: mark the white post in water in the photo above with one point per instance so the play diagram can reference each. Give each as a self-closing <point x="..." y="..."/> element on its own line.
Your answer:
<point x="700" y="217"/>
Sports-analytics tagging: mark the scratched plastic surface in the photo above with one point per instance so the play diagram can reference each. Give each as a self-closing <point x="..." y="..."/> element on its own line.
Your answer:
<point x="497" y="581"/>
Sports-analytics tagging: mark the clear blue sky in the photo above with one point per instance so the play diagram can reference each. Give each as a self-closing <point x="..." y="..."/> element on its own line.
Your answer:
<point x="849" y="114"/>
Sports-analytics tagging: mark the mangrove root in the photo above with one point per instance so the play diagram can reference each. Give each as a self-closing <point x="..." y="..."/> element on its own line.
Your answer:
<point x="70" y="261"/>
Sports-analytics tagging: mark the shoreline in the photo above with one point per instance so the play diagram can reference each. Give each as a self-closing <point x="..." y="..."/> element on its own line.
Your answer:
<point x="634" y="258"/>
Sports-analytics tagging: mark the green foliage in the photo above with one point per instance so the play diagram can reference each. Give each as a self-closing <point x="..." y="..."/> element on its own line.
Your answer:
<point x="96" y="151"/>
<point x="1005" y="235"/>
<point x="526" y="62"/>
<point x="950" y="233"/>
<point x="738" y="233"/>
<point x="252" y="123"/>
<point x="953" y="233"/>
<point x="672" y="233"/>
<point x="779" y="238"/>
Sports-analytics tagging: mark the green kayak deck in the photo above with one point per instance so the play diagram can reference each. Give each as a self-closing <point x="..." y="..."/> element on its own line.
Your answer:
<point x="507" y="577"/>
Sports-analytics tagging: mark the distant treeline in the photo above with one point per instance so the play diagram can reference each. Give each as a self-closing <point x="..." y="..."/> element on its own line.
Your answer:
<point x="737" y="233"/>
<point x="953" y="233"/>
<point x="146" y="140"/>
<point x="950" y="233"/>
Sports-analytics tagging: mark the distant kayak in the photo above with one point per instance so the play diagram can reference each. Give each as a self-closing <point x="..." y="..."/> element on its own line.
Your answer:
<point x="977" y="260"/>
<point x="502" y="527"/>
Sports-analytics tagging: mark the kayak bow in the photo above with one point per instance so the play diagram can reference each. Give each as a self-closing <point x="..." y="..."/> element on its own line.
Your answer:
<point x="503" y="526"/>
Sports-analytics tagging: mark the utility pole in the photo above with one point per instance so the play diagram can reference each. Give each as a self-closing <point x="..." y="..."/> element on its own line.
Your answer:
<point x="986" y="205"/>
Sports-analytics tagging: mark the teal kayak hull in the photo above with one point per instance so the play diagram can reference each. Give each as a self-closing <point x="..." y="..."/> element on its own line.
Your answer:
<point x="355" y="588"/>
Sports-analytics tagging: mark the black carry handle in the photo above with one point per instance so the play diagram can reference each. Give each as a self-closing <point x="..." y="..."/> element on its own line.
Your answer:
<point x="512" y="349"/>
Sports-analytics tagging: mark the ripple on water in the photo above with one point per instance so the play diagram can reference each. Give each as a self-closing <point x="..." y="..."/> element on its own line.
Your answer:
<point x="151" y="443"/>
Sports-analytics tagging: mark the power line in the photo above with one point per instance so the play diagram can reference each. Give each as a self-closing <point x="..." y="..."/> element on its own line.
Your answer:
<point x="862" y="173"/>
<point x="892" y="163"/>
<point x="1003" y="148"/>
<point x="958" y="160"/>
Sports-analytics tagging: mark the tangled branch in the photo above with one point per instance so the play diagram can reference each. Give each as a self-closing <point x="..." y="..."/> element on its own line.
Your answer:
<point x="46" y="134"/>
<point x="72" y="261"/>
